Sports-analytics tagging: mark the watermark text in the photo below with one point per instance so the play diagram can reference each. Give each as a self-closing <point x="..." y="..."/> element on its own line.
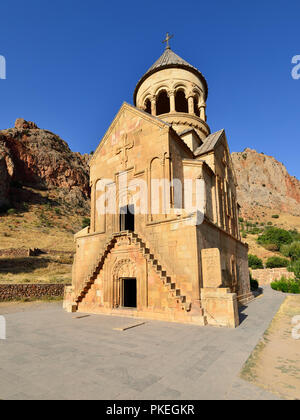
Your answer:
<point x="2" y="67"/>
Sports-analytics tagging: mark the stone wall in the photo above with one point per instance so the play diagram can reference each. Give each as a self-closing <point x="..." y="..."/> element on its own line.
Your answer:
<point x="18" y="291"/>
<point x="19" y="252"/>
<point x="265" y="276"/>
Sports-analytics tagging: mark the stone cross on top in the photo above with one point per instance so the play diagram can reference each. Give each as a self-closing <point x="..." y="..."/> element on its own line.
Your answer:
<point x="166" y="41"/>
<point x="123" y="150"/>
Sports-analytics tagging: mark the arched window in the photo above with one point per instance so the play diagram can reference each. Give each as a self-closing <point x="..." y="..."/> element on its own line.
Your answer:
<point x="181" y="103"/>
<point x="148" y="106"/>
<point x="196" y="108"/>
<point x="162" y="103"/>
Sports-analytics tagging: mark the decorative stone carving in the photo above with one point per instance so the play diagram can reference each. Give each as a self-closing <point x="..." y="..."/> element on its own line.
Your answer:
<point x="124" y="268"/>
<point x="211" y="267"/>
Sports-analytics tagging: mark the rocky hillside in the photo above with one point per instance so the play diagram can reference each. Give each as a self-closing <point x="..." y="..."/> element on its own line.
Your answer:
<point x="264" y="183"/>
<point x="31" y="157"/>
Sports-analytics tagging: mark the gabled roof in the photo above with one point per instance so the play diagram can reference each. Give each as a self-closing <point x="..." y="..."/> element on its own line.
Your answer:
<point x="135" y="110"/>
<point x="210" y="143"/>
<point x="171" y="60"/>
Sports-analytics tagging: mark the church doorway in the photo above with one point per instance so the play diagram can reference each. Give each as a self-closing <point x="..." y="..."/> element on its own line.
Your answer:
<point x="127" y="218"/>
<point x="129" y="293"/>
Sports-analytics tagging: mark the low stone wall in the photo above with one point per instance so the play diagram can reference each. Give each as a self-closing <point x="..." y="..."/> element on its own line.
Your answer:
<point x="19" y="252"/>
<point x="18" y="291"/>
<point x="265" y="276"/>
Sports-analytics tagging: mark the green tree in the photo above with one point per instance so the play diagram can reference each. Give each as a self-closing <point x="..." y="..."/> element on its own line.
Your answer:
<point x="274" y="262"/>
<point x="292" y="250"/>
<point x="254" y="262"/>
<point x="295" y="268"/>
<point x="275" y="236"/>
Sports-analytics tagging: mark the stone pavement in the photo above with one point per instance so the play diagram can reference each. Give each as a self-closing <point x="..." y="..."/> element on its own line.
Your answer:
<point x="50" y="354"/>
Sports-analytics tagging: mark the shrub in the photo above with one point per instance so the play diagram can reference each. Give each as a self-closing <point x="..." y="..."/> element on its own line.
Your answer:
<point x="275" y="236"/>
<point x="275" y="216"/>
<point x="286" y="285"/>
<point x="295" y="268"/>
<point x="256" y="231"/>
<point x="275" y="262"/>
<point x="244" y="235"/>
<point x="241" y="219"/>
<point x="254" y="262"/>
<point x="86" y="221"/>
<point x="11" y="211"/>
<point x="295" y="235"/>
<point x="292" y="250"/>
<point x="57" y="211"/>
<point x="253" y="283"/>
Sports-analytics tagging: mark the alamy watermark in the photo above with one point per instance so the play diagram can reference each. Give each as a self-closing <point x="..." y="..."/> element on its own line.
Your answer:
<point x="296" y="329"/>
<point x="161" y="197"/>
<point x="2" y="328"/>
<point x="296" y="68"/>
<point x="2" y="67"/>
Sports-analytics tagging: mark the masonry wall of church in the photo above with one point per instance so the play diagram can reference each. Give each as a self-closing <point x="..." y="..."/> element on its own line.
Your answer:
<point x="88" y="249"/>
<point x="226" y="190"/>
<point x="143" y="158"/>
<point x="176" y="247"/>
<point x="231" y="250"/>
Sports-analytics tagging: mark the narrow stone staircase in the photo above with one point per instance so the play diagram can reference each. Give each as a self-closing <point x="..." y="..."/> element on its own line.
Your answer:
<point x="174" y="292"/>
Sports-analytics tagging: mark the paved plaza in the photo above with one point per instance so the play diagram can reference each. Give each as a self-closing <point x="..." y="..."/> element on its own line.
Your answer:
<point x="51" y="354"/>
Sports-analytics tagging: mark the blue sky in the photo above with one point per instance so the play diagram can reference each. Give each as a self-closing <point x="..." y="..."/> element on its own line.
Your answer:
<point x="71" y="64"/>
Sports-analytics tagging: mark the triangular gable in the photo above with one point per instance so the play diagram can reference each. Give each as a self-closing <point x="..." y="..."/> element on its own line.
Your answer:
<point x="113" y="134"/>
<point x="211" y="143"/>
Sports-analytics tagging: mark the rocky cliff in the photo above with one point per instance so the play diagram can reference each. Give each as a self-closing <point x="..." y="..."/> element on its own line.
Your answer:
<point x="265" y="182"/>
<point x="37" y="158"/>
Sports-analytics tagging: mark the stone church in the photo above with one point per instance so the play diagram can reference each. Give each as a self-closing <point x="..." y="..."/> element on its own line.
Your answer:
<point x="156" y="263"/>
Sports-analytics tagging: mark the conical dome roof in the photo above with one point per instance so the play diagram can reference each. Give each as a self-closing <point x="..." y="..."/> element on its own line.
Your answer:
<point x="170" y="60"/>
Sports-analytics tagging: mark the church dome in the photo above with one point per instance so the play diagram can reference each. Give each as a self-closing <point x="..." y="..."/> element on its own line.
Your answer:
<point x="175" y="91"/>
<point x="171" y="60"/>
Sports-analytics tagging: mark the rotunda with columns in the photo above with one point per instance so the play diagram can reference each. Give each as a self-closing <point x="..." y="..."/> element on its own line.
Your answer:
<point x="175" y="91"/>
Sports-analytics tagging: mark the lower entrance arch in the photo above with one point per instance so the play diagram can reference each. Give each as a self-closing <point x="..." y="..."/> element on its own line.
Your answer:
<point x="125" y="284"/>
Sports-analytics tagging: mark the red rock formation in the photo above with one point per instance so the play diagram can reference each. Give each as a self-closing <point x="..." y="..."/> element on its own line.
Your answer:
<point x="263" y="181"/>
<point x="40" y="159"/>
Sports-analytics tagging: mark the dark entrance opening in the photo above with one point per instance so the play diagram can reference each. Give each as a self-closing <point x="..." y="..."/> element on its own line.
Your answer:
<point x="129" y="293"/>
<point x="127" y="218"/>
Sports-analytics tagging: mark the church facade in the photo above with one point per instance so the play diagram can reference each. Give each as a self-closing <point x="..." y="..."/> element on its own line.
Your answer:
<point x="164" y="239"/>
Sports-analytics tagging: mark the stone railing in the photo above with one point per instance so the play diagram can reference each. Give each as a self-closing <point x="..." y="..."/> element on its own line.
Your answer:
<point x="10" y="292"/>
<point x="265" y="276"/>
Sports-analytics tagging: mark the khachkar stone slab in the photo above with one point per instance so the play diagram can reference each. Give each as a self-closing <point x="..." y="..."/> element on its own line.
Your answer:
<point x="211" y="267"/>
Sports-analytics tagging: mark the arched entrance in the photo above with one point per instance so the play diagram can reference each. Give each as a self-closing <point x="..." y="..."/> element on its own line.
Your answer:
<point x="125" y="285"/>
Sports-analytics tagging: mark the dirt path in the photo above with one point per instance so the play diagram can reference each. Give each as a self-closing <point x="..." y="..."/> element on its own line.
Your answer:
<point x="275" y="362"/>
